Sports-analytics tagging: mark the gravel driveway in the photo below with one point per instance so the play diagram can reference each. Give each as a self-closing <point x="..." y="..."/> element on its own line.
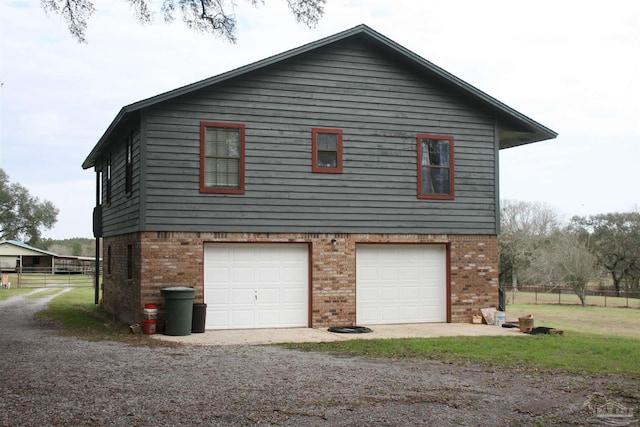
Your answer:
<point x="47" y="379"/>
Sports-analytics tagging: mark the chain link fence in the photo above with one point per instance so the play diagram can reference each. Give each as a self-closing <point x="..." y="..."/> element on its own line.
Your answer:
<point x="559" y="295"/>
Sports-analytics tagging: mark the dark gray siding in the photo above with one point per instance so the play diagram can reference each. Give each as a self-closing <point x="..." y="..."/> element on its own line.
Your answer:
<point x="123" y="214"/>
<point x="380" y="105"/>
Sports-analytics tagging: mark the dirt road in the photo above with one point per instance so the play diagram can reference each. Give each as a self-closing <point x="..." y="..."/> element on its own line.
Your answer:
<point x="47" y="379"/>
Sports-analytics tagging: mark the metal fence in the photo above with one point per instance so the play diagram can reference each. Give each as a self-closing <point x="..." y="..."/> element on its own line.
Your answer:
<point x="45" y="279"/>
<point x="597" y="297"/>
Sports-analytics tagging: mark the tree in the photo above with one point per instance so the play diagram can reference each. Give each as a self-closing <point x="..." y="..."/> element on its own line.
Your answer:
<point x="59" y="249"/>
<point x="76" y="246"/>
<point x="212" y="16"/>
<point x="614" y="238"/>
<point x="524" y="226"/>
<point x="564" y="260"/>
<point x="22" y="216"/>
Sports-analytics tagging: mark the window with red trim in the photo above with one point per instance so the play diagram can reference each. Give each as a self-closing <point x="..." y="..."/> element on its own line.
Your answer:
<point x="435" y="167"/>
<point x="327" y="150"/>
<point x="222" y="157"/>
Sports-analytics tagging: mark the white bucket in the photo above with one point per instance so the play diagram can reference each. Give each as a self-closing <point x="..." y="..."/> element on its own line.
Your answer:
<point x="500" y="318"/>
<point x="150" y="313"/>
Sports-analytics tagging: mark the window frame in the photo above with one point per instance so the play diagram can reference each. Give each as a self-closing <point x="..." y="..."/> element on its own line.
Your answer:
<point x="421" y="194"/>
<point x="108" y="182"/>
<point x="314" y="150"/>
<point x="203" y="157"/>
<point x="128" y="180"/>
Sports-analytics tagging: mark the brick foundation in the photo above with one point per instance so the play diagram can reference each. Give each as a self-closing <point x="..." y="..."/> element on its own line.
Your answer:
<point x="165" y="259"/>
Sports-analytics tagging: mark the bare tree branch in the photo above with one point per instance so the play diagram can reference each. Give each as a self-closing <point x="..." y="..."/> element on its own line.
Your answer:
<point x="141" y="8"/>
<point x="308" y="12"/>
<point x="210" y="16"/>
<point x="74" y="12"/>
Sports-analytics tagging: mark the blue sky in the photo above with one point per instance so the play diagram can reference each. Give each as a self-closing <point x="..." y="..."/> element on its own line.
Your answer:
<point x="573" y="66"/>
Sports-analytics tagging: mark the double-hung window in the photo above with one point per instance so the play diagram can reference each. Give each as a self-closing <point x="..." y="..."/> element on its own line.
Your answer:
<point x="222" y="158"/>
<point x="435" y="167"/>
<point x="327" y="150"/>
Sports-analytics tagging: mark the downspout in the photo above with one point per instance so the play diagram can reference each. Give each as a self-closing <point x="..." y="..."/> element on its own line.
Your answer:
<point x="97" y="233"/>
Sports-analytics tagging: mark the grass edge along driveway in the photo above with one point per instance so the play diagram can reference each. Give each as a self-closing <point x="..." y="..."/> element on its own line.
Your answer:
<point x="575" y="351"/>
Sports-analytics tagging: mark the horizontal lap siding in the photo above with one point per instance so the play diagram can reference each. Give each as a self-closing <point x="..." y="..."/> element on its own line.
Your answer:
<point x="380" y="105"/>
<point x="123" y="215"/>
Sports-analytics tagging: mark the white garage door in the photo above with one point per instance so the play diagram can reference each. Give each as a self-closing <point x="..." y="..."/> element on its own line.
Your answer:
<point x="400" y="284"/>
<point x="256" y="285"/>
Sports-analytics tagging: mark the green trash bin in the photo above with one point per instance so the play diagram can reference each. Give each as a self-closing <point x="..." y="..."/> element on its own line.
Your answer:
<point x="178" y="310"/>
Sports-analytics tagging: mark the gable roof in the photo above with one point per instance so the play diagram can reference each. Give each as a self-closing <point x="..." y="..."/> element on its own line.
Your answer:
<point x="520" y="129"/>
<point x="15" y="248"/>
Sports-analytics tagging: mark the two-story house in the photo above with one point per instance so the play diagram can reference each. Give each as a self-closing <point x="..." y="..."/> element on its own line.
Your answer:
<point x="347" y="181"/>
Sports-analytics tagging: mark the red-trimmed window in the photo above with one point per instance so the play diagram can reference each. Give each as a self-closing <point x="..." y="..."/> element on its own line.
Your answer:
<point x="222" y="158"/>
<point x="327" y="150"/>
<point x="435" y="167"/>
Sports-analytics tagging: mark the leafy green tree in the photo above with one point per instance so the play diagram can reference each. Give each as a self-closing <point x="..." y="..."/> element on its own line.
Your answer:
<point x="212" y="16"/>
<point x="22" y="216"/>
<point x="614" y="238"/>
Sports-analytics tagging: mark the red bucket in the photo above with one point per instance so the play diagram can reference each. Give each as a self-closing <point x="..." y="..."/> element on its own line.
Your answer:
<point x="149" y="326"/>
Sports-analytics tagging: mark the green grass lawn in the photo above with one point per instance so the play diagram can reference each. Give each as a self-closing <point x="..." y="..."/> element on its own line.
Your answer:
<point x="594" y="340"/>
<point x="12" y="292"/>
<point x="607" y="321"/>
<point x="583" y="353"/>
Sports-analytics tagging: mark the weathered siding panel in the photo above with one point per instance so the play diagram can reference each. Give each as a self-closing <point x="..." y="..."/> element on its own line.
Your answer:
<point x="122" y="215"/>
<point x="379" y="104"/>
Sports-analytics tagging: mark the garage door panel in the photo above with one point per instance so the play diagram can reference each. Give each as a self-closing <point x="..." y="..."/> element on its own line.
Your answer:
<point x="244" y="275"/>
<point x="367" y="294"/>
<point x="242" y="296"/>
<point x="410" y="273"/>
<point x="221" y="296"/>
<point x="256" y="285"/>
<point x="290" y="296"/>
<point x="243" y="318"/>
<point x="216" y="273"/>
<point x="400" y="283"/>
<point x="269" y="296"/>
<point x="389" y="294"/>
<point x="269" y="275"/>
<point x="389" y="314"/>
<point x="411" y="293"/>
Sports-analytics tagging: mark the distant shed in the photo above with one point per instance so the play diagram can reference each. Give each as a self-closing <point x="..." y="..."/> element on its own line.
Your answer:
<point x="17" y="256"/>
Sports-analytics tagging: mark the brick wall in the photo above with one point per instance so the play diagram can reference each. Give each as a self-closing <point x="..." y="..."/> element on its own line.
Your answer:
<point x="121" y="295"/>
<point x="166" y="259"/>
